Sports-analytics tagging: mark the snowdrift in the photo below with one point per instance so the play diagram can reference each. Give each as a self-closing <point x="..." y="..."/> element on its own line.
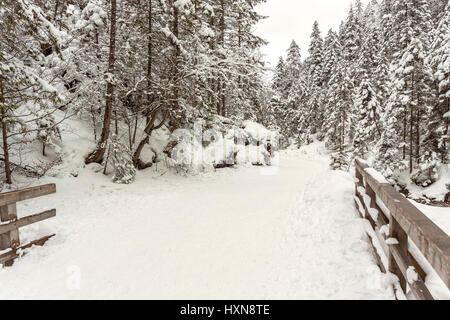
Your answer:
<point x="218" y="143"/>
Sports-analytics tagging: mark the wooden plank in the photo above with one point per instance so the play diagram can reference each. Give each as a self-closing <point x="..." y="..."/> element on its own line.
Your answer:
<point x="377" y="255"/>
<point x="381" y="218"/>
<point x="25" y="194"/>
<point x="417" y="266"/>
<point x="27" y="220"/>
<point x="427" y="236"/>
<point x="8" y="212"/>
<point x="396" y="232"/>
<point x="11" y="239"/>
<point x="418" y="288"/>
<point x="8" y="257"/>
<point x="382" y="241"/>
<point x="361" y="200"/>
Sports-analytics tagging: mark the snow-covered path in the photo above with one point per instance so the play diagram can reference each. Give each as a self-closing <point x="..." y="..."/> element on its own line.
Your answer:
<point x="234" y="234"/>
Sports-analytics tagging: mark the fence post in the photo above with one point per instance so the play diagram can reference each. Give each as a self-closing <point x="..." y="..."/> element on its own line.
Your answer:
<point x="396" y="231"/>
<point x="10" y="239"/>
<point x="359" y="183"/>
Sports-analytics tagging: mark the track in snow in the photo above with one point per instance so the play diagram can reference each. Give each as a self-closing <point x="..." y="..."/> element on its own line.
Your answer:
<point x="233" y="234"/>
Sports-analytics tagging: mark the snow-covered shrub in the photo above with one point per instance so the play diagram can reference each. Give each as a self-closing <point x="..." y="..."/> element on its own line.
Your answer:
<point x="124" y="171"/>
<point x="339" y="161"/>
<point x="48" y="132"/>
<point x="91" y="17"/>
<point x="218" y="143"/>
<point x="261" y="141"/>
<point x="427" y="173"/>
<point x="304" y="138"/>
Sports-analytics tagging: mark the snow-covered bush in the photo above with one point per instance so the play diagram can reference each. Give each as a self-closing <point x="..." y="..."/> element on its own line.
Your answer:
<point x="339" y="161"/>
<point x="124" y="171"/>
<point x="427" y="173"/>
<point x="48" y="131"/>
<point x="221" y="144"/>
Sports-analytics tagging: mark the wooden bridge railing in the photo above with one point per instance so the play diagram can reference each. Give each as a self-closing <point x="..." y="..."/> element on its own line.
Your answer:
<point x="10" y="224"/>
<point x="399" y="222"/>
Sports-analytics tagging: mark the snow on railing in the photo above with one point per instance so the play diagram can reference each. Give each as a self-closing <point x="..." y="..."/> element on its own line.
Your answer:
<point x="9" y="225"/>
<point x="393" y="229"/>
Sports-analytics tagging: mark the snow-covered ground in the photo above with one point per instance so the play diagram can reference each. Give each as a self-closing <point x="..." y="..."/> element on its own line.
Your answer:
<point x="238" y="233"/>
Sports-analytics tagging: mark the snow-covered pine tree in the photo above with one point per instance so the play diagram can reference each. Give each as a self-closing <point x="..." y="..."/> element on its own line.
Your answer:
<point x="368" y="127"/>
<point x="314" y="64"/>
<point x="293" y="67"/>
<point x="298" y="116"/>
<point x="366" y="100"/>
<point x="330" y="55"/>
<point x="337" y="117"/>
<point x="279" y="76"/>
<point x="315" y="59"/>
<point x="124" y="170"/>
<point x="26" y="96"/>
<point x="351" y="44"/>
<point x="436" y="136"/>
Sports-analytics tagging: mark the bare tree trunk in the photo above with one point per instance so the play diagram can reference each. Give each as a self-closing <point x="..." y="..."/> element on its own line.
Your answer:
<point x="98" y="154"/>
<point x="212" y="81"/>
<point x="56" y="10"/>
<point x="446" y="132"/>
<point x="6" y="149"/>
<point x="149" y="52"/>
<point x="239" y="45"/>
<point x="342" y="140"/>
<point x="55" y="14"/>
<point x="153" y="115"/>
<point x="94" y="124"/>
<point x="5" y="136"/>
<point x="223" y="85"/>
<point x="411" y="128"/>
<point x="176" y="55"/>
<point x="418" y="131"/>
<point x="134" y="130"/>
<point x="404" y="133"/>
<point x="116" y="122"/>
<point x="137" y="162"/>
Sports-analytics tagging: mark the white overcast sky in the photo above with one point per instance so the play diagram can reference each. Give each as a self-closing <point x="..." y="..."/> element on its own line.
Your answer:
<point x="293" y="19"/>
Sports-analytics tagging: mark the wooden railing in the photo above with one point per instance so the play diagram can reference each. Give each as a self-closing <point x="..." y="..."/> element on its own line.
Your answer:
<point x="10" y="224"/>
<point x="395" y="221"/>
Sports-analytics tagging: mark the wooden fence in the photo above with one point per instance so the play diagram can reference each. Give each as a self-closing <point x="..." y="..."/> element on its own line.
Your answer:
<point x="396" y="223"/>
<point x="10" y="224"/>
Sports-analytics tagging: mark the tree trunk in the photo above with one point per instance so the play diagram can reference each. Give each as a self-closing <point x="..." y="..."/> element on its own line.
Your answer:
<point x="176" y="55"/>
<point x="418" y="131"/>
<point x="5" y="136"/>
<point x="55" y="14"/>
<point x="56" y="10"/>
<point x="404" y="132"/>
<point x="342" y="130"/>
<point x="239" y="46"/>
<point x="98" y="154"/>
<point x="411" y="125"/>
<point x="137" y="162"/>
<point x="6" y="149"/>
<point x="222" y="42"/>
<point x="149" y="52"/>
<point x="446" y="133"/>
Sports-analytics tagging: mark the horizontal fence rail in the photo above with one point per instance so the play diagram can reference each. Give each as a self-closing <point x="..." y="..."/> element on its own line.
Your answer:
<point x="395" y="221"/>
<point x="10" y="224"/>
